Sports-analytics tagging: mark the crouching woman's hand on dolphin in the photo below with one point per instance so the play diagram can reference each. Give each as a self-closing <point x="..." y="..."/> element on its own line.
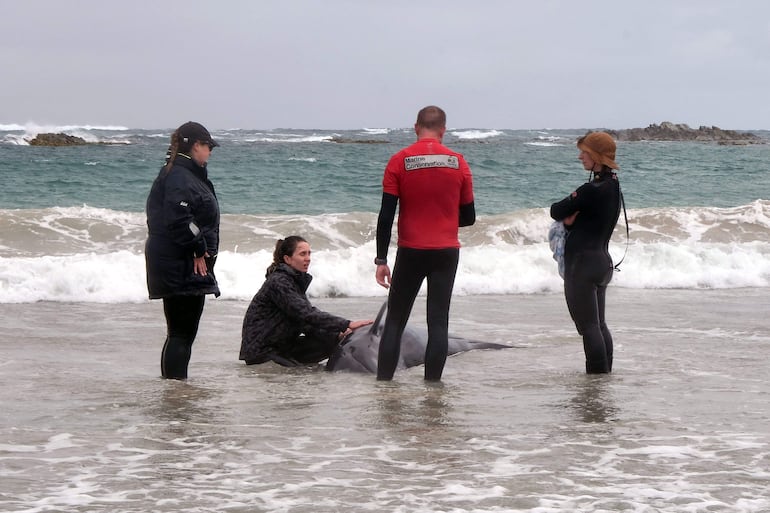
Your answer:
<point x="354" y="325"/>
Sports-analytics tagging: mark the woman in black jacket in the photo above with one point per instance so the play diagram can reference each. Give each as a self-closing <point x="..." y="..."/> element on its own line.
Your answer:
<point x="182" y="242"/>
<point x="590" y="215"/>
<point x="280" y="324"/>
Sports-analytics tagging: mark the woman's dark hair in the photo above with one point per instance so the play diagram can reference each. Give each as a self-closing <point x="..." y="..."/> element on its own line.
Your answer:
<point x="177" y="145"/>
<point x="172" y="150"/>
<point x="283" y="247"/>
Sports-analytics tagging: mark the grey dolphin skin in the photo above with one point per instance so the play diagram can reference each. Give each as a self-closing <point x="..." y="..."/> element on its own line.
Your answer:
<point x="357" y="352"/>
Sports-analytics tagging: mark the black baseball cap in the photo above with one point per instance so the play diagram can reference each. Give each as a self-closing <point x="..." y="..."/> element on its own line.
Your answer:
<point x="192" y="132"/>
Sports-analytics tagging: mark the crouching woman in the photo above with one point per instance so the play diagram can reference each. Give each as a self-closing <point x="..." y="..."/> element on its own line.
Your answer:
<point x="280" y="324"/>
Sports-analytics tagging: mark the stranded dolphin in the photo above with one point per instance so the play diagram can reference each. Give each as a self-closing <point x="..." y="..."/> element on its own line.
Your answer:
<point x="357" y="352"/>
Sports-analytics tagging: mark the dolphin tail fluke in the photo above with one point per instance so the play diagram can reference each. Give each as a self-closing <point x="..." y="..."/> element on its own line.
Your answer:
<point x="489" y="345"/>
<point x="459" y="345"/>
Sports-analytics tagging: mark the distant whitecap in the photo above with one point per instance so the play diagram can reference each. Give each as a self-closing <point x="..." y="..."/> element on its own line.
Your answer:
<point x="476" y="134"/>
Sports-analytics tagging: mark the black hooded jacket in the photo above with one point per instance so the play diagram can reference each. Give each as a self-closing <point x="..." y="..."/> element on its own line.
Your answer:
<point x="280" y="312"/>
<point x="183" y="223"/>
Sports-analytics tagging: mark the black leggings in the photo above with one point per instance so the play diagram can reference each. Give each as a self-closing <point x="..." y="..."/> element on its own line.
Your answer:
<point x="585" y="285"/>
<point x="412" y="266"/>
<point x="183" y="313"/>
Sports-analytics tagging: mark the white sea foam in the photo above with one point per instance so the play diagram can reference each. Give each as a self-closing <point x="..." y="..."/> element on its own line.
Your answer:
<point x="475" y="134"/>
<point x="16" y="139"/>
<point x="88" y="254"/>
<point x="85" y="132"/>
<point x="546" y="140"/>
<point x="291" y="138"/>
<point x="11" y="127"/>
<point x="280" y="137"/>
<point x="491" y="269"/>
<point x="542" y="143"/>
<point x="38" y="128"/>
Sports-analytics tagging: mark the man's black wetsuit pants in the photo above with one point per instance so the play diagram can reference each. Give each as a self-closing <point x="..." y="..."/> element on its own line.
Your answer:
<point x="412" y="266"/>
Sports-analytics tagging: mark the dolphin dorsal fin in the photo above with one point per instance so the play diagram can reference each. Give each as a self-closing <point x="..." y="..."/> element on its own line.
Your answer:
<point x="380" y="318"/>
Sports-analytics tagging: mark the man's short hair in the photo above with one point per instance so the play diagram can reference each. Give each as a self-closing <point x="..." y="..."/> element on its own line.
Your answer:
<point x="431" y="117"/>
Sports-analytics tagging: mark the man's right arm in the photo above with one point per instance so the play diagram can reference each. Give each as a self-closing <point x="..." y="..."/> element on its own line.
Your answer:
<point x="385" y="224"/>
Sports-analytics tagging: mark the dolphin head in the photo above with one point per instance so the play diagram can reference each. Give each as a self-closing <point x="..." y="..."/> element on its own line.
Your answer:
<point x="357" y="352"/>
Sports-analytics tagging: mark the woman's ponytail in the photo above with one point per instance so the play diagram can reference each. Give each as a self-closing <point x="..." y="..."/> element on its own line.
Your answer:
<point x="172" y="150"/>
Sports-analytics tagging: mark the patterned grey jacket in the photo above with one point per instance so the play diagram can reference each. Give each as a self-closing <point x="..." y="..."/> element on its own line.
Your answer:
<point x="280" y="312"/>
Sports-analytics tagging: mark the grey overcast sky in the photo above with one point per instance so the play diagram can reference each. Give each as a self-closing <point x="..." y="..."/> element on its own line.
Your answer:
<point x="347" y="64"/>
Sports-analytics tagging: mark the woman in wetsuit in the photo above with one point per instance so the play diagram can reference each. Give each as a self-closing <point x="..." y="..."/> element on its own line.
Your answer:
<point x="590" y="215"/>
<point x="280" y="324"/>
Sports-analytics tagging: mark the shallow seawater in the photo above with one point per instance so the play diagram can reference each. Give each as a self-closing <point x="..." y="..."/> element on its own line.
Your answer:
<point x="681" y="424"/>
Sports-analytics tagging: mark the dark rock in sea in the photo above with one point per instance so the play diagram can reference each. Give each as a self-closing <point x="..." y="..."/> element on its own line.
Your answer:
<point x="668" y="131"/>
<point x="57" y="140"/>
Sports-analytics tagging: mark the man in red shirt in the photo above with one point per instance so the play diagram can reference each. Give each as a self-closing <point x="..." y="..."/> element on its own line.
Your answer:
<point x="435" y="188"/>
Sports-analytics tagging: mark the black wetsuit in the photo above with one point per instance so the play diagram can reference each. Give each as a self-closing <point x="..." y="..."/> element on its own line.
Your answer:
<point x="434" y="186"/>
<point x="412" y="266"/>
<point x="588" y="266"/>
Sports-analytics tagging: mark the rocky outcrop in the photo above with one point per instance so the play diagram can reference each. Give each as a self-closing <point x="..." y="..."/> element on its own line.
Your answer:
<point x="56" y="140"/>
<point x="668" y="131"/>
